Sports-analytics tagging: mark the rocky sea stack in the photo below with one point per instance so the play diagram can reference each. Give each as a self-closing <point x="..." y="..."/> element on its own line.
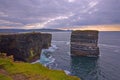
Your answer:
<point x="24" y="46"/>
<point x="84" y="43"/>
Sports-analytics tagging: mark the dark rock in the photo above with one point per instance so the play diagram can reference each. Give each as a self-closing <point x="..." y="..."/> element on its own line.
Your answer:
<point x="24" y="46"/>
<point x="84" y="43"/>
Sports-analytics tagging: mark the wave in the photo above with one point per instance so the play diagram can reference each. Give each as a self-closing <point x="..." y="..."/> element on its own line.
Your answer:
<point x="67" y="43"/>
<point x="50" y="63"/>
<point x="35" y="62"/>
<point x="46" y="56"/>
<point x="50" y="49"/>
<point x="110" y="46"/>
<point x="67" y="72"/>
<point x="59" y="41"/>
<point x="69" y="53"/>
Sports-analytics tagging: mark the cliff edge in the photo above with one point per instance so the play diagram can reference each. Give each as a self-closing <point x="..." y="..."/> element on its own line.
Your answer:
<point x="24" y="46"/>
<point x="14" y="70"/>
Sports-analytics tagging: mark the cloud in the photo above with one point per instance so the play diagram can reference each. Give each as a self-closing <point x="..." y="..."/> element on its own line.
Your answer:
<point x="71" y="1"/>
<point x="93" y="4"/>
<point x="8" y="22"/>
<point x="3" y="14"/>
<point x="46" y="23"/>
<point x="58" y="13"/>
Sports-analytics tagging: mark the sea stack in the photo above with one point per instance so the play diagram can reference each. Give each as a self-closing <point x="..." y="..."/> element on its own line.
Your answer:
<point x="84" y="43"/>
<point x="24" y="46"/>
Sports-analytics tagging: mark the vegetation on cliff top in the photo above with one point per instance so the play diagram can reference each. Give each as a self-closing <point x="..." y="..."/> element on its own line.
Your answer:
<point x="10" y="70"/>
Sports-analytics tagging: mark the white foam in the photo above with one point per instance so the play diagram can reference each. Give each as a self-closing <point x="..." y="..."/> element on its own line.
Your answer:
<point x="50" y="49"/>
<point x="67" y="72"/>
<point x="35" y="62"/>
<point x="67" y="43"/>
<point x="68" y="53"/>
<point x="46" y="57"/>
<point x="51" y="60"/>
<point x="54" y="46"/>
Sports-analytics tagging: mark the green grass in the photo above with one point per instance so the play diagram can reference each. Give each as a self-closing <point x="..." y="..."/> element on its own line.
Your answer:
<point x="3" y="77"/>
<point x="31" y="71"/>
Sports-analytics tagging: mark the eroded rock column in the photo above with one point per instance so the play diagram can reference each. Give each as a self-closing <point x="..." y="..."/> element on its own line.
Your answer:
<point x="84" y="43"/>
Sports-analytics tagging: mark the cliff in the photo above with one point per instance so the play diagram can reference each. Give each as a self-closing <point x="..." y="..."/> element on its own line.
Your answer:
<point x="24" y="46"/>
<point x="84" y="43"/>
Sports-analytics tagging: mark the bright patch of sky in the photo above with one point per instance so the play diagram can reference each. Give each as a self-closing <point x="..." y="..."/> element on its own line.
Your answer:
<point x="93" y="4"/>
<point x="71" y="1"/>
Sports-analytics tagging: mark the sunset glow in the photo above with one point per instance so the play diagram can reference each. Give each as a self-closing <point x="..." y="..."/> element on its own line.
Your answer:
<point x="97" y="27"/>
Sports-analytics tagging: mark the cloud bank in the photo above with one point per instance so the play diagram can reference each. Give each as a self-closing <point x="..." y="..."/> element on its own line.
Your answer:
<point x="35" y="14"/>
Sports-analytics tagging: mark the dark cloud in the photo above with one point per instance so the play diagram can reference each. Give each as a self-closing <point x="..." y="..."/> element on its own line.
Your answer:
<point x="58" y="13"/>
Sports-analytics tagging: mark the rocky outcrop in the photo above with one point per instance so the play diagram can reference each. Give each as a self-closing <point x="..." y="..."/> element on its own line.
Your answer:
<point x="84" y="43"/>
<point x="24" y="46"/>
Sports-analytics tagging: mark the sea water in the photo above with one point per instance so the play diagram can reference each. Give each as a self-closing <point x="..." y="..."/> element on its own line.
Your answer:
<point x="105" y="67"/>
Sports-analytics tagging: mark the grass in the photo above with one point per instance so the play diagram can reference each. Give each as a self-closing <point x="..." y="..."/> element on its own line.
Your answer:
<point x="27" y="71"/>
<point x="3" y="77"/>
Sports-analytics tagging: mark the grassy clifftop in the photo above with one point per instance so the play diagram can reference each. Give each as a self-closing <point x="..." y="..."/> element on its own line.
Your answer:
<point x="10" y="70"/>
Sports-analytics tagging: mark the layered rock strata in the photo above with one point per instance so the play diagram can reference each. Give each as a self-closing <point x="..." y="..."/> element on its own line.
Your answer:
<point x="84" y="43"/>
<point x="24" y="46"/>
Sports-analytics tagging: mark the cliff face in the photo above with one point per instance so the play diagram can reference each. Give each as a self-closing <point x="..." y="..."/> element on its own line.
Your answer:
<point x="25" y="46"/>
<point x="84" y="43"/>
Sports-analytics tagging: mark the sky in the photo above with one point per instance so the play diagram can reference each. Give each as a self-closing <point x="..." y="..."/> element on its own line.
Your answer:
<point x="59" y="14"/>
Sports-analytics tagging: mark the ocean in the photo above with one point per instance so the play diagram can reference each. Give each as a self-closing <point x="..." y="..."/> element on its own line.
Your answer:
<point x="105" y="67"/>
